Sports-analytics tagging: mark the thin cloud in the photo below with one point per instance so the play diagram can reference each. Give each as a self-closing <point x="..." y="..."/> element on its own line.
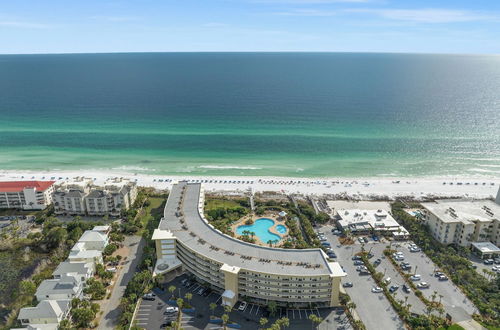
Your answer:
<point x="24" y="25"/>
<point x="214" y="25"/>
<point x="307" y="12"/>
<point x="425" y="15"/>
<point x="116" y="18"/>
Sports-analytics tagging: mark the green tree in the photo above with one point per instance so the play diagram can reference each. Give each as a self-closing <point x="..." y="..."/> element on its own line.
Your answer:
<point x="27" y="288"/>
<point x="263" y="321"/>
<point x="171" y="289"/>
<point x="212" y="307"/>
<point x="315" y="320"/>
<point x="272" y="307"/>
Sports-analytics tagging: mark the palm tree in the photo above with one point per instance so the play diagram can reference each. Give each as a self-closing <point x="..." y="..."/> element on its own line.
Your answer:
<point x="225" y="319"/>
<point x="171" y="289"/>
<point x="263" y="321"/>
<point x="315" y="320"/>
<point x="351" y="306"/>
<point x="270" y="242"/>
<point x="283" y="322"/>
<point x="212" y="307"/>
<point x="180" y="304"/>
<point x="188" y="297"/>
<point x="271" y="306"/>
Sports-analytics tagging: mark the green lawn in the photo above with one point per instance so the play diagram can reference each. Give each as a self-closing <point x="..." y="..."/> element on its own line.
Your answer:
<point x="154" y="208"/>
<point x="212" y="204"/>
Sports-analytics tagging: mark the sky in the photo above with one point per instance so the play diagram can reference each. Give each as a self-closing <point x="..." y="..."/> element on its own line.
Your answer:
<point x="94" y="26"/>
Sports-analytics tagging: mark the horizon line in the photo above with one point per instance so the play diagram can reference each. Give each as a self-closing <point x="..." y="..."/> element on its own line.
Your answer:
<point x="250" y="52"/>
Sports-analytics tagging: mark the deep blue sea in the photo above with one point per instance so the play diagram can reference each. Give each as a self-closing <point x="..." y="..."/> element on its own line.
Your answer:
<point x="289" y="114"/>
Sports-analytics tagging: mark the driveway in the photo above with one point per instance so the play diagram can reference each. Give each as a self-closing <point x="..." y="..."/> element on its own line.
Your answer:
<point x="373" y="308"/>
<point x="111" y="307"/>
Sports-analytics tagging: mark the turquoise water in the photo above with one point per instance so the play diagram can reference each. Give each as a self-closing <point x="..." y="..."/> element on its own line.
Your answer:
<point x="255" y="114"/>
<point x="261" y="229"/>
<point x="281" y="229"/>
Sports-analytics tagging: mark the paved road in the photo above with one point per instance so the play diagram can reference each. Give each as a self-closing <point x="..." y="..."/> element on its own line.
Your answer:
<point x="111" y="310"/>
<point x="373" y="308"/>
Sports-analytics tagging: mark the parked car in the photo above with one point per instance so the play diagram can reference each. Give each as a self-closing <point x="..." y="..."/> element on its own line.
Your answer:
<point x="347" y="285"/>
<point x="242" y="306"/>
<point x="149" y="296"/>
<point x="377" y="262"/>
<point x="437" y="274"/>
<point x="365" y="239"/>
<point x="423" y="285"/>
<point x="360" y="239"/>
<point x="443" y="278"/>
<point x="375" y="238"/>
<point x="415" y="277"/>
<point x="358" y="262"/>
<point x="326" y="244"/>
<point x="488" y="262"/>
<point x="393" y="288"/>
<point x="183" y="282"/>
<point x="406" y="288"/>
<point x="387" y="280"/>
<point x="356" y="258"/>
<point x="376" y="289"/>
<point x="166" y="324"/>
<point x="201" y="291"/>
<point x="170" y="310"/>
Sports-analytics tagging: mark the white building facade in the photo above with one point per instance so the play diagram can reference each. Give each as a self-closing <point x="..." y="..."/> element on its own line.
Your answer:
<point x="26" y="195"/>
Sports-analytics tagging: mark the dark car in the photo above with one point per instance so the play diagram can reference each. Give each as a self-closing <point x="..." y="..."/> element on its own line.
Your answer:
<point x="393" y="288"/>
<point x="166" y="324"/>
<point x="356" y="258"/>
<point x="365" y="239"/>
<point x="375" y="238"/>
<point x="347" y="285"/>
<point x="406" y="288"/>
<point x="377" y="262"/>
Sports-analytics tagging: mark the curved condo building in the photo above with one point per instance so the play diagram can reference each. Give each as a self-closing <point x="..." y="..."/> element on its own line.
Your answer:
<point x="236" y="269"/>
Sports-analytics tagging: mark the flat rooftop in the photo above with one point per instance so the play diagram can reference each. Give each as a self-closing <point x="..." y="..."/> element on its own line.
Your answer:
<point x="378" y="219"/>
<point x="486" y="247"/>
<point x="198" y="235"/>
<point x="466" y="211"/>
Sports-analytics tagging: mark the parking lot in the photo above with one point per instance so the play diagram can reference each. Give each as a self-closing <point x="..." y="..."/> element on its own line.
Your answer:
<point x="150" y="314"/>
<point x="373" y="308"/>
<point x="386" y="267"/>
<point x="453" y="300"/>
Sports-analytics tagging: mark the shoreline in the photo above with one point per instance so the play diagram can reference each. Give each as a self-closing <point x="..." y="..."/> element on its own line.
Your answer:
<point x="355" y="188"/>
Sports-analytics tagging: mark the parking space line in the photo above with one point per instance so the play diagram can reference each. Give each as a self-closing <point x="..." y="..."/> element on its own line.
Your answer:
<point x="317" y="312"/>
<point x="218" y="299"/>
<point x="250" y="311"/>
<point x="257" y="310"/>
<point x="293" y="312"/>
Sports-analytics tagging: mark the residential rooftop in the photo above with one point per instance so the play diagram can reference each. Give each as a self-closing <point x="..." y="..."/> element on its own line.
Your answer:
<point x="45" y="309"/>
<point x="465" y="211"/>
<point x="197" y="234"/>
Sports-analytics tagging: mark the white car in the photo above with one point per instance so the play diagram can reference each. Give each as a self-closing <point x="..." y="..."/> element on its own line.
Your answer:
<point x="387" y="280"/>
<point x="423" y="285"/>
<point x="243" y="305"/>
<point x="415" y="277"/>
<point x="495" y="268"/>
<point x="170" y="310"/>
<point x="377" y="289"/>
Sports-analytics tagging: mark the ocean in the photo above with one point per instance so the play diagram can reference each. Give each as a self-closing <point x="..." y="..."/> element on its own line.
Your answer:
<point x="255" y="114"/>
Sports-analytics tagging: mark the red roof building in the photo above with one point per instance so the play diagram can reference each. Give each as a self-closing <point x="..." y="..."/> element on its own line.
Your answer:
<point x="26" y="195"/>
<point x="18" y="186"/>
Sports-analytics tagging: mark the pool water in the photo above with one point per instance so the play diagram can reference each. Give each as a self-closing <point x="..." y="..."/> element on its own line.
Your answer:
<point x="281" y="229"/>
<point x="261" y="229"/>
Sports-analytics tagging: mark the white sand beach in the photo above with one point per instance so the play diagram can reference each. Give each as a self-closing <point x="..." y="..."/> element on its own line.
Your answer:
<point x="360" y="188"/>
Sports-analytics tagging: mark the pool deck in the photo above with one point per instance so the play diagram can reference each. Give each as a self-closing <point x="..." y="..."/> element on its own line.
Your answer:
<point x="271" y="229"/>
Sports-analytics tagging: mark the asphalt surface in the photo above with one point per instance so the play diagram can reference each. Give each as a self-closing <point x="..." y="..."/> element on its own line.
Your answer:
<point x="454" y="301"/>
<point x="150" y="314"/>
<point x="373" y="308"/>
<point x="111" y="310"/>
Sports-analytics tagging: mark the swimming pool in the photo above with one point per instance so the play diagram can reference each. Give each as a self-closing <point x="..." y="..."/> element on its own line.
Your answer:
<point x="261" y="229"/>
<point x="281" y="229"/>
